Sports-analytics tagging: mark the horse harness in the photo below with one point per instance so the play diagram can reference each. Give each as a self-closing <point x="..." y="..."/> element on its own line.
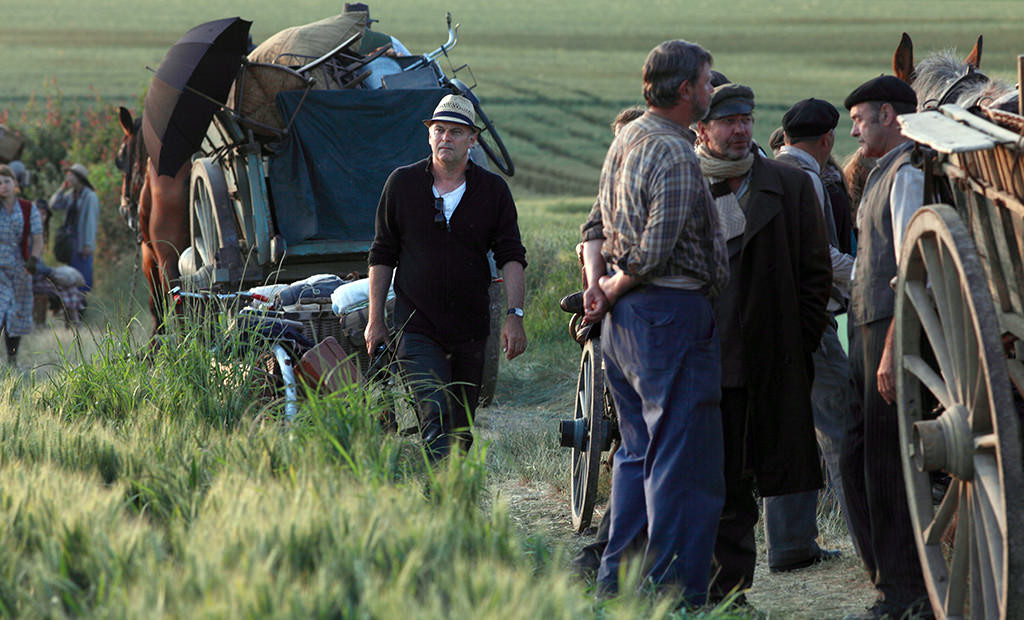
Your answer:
<point x="970" y="74"/>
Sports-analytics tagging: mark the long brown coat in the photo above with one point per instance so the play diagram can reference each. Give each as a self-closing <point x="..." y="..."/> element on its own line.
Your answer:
<point x="785" y="278"/>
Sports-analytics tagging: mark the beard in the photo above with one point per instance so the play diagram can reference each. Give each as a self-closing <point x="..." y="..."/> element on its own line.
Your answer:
<point x="699" y="110"/>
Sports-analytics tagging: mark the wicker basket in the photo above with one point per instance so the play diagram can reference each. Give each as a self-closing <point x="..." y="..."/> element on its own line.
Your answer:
<point x="318" y="321"/>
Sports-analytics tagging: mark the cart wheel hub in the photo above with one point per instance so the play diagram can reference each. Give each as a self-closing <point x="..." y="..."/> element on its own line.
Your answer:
<point x="573" y="433"/>
<point x="945" y="443"/>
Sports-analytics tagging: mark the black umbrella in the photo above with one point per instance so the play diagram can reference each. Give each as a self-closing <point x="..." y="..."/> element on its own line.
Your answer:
<point x="196" y="72"/>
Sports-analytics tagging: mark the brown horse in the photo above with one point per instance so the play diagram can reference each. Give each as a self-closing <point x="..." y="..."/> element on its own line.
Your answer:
<point x="156" y="207"/>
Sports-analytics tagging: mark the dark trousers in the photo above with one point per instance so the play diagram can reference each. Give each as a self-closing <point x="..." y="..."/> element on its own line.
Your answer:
<point x="662" y="364"/>
<point x="444" y="379"/>
<point x="735" y="551"/>
<point x="876" y="497"/>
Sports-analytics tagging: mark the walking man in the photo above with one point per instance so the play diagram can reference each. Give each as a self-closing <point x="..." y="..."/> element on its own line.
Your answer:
<point x="653" y="256"/>
<point x="436" y="221"/>
<point x="870" y="458"/>
<point x="770" y="318"/>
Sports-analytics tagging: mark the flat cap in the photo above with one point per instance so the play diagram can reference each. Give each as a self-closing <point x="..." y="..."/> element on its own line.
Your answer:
<point x="885" y="88"/>
<point x="809" y="118"/>
<point x="717" y="79"/>
<point x="729" y="99"/>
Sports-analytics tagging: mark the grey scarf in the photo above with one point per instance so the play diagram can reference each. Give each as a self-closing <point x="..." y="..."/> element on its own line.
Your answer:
<point x="731" y="219"/>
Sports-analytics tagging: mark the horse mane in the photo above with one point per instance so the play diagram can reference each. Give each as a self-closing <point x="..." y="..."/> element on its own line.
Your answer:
<point x="939" y="70"/>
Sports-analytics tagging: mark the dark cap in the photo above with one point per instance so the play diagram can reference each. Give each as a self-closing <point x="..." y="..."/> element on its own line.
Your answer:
<point x="730" y="99"/>
<point x="777" y="140"/>
<point x="884" y="88"/>
<point x="810" y="118"/>
<point x="717" y="79"/>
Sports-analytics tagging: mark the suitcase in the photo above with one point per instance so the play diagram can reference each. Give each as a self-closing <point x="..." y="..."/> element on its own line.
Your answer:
<point x="327" y="367"/>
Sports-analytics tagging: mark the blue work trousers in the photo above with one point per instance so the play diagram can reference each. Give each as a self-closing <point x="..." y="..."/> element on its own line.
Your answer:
<point x="663" y="368"/>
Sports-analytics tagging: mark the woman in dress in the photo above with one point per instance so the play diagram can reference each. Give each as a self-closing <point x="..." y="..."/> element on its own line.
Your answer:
<point x="19" y="253"/>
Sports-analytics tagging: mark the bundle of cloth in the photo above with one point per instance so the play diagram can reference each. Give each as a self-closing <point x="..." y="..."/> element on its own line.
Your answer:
<point x="58" y="289"/>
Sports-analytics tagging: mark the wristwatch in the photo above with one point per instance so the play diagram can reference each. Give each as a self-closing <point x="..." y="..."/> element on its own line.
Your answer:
<point x="516" y="311"/>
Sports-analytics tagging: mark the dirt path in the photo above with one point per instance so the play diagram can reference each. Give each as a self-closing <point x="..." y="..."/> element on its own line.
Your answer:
<point x="829" y="590"/>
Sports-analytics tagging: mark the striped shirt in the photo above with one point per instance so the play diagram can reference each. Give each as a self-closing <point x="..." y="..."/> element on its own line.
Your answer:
<point x="654" y="210"/>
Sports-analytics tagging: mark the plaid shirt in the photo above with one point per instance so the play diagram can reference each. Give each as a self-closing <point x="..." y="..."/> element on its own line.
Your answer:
<point x="654" y="210"/>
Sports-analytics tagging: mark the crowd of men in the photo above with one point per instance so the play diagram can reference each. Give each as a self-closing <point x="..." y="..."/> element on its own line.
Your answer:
<point x="717" y="273"/>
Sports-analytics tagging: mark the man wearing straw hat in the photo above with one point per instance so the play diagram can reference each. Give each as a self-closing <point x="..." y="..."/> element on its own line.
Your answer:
<point x="436" y="221"/>
<point x="78" y="199"/>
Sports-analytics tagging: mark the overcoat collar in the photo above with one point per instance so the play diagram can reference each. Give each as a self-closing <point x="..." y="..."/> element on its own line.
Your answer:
<point x="763" y="200"/>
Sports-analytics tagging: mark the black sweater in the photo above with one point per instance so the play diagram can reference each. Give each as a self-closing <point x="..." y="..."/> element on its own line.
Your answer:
<point x="442" y="275"/>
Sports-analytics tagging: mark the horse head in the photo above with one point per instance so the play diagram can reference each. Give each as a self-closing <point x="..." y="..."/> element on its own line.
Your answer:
<point x="131" y="161"/>
<point x="942" y="77"/>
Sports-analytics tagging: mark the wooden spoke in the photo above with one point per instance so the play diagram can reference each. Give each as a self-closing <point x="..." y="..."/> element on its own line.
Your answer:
<point x="944" y="515"/>
<point x="929" y="378"/>
<point x="933" y="328"/>
<point x="956" y="595"/>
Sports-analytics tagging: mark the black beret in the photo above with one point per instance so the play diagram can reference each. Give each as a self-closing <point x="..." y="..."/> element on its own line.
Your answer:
<point x="717" y="79"/>
<point x="884" y="88"/>
<point x="730" y="99"/>
<point x="810" y="118"/>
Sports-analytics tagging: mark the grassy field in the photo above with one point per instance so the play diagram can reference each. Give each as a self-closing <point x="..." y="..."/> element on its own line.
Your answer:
<point x="551" y="75"/>
<point x="133" y="489"/>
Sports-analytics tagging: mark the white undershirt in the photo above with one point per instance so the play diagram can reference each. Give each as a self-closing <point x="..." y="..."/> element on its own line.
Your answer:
<point x="451" y="199"/>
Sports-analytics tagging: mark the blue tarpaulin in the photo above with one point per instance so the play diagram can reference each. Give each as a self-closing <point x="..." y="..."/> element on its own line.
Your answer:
<point x="326" y="178"/>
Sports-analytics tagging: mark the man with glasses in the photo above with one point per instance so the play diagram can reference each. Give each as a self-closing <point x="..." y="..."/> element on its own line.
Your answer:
<point x="436" y="221"/>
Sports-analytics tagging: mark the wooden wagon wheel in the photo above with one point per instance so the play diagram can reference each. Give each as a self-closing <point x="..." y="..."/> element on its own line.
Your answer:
<point x="947" y="338"/>
<point x="585" y="434"/>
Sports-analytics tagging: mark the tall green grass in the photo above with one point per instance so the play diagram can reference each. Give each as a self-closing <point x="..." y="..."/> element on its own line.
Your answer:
<point x="169" y="486"/>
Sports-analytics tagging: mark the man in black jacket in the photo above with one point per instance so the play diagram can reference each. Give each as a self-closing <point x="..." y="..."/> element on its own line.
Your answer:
<point x="770" y="318"/>
<point x="436" y="221"/>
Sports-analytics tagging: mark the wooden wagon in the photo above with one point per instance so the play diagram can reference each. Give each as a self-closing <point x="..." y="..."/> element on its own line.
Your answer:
<point x="960" y="345"/>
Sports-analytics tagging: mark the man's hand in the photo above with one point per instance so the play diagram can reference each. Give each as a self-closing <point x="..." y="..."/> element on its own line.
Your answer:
<point x="375" y="335"/>
<point x="513" y="336"/>
<point x="86" y="250"/>
<point x="885" y="376"/>
<point x="595" y="304"/>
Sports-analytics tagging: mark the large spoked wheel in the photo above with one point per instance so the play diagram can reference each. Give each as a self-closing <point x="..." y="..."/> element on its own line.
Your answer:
<point x="588" y="435"/>
<point x="208" y="195"/>
<point x="501" y="158"/>
<point x="949" y="347"/>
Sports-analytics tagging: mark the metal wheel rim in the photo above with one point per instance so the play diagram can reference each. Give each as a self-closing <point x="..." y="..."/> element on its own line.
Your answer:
<point x="586" y="462"/>
<point x="943" y="300"/>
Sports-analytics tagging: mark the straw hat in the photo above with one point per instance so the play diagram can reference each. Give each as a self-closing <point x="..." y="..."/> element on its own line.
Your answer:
<point x="82" y="173"/>
<point x="454" y="109"/>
